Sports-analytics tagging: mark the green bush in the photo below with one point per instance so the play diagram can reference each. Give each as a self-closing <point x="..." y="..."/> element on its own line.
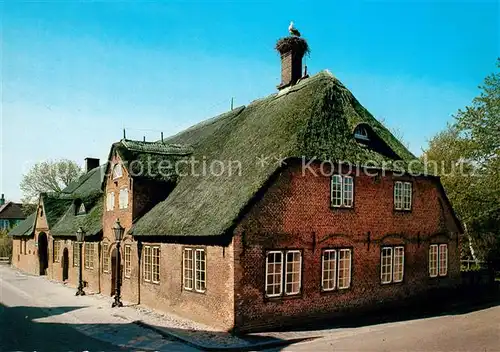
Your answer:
<point x="5" y="245"/>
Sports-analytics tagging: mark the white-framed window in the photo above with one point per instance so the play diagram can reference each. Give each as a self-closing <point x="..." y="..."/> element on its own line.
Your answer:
<point x="128" y="260"/>
<point x="123" y="198"/>
<point x="443" y="259"/>
<point x="438" y="260"/>
<point x="117" y="171"/>
<point x="399" y="263"/>
<point x="188" y="265"/>
<point x="57" y="251"/>
<point x="329" y="270"/>
<point x="293" y="272"/>
<point x="194" y="269"/>
<point x="151" y="268"/>
<point x="344" y="272"/>
<point x="402" y="195"/>
<point x="336" y="269"/>
<point x="360" y="132"/>
<point x="76" y="254"/>
<point x="89" y="255"/>
<point x="342" y="191"/>
<point x="200" y="270"/>
<point x="433" y="260"/>
<point x="274" y="273"/>
<point x="81" y="209"/>
<point x="392" y="264"/>
<point x="110" y="201"/>
<point x="283" y="273"/>
<point x="105" y="257"/>
<point x="155" y="273"/>
<point x="147" y="264"/>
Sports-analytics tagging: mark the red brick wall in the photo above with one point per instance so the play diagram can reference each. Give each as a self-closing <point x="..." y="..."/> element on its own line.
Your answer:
<point x="129" y="286"/>
<point x="295" y="213"/>
<point x="215" y="307"/>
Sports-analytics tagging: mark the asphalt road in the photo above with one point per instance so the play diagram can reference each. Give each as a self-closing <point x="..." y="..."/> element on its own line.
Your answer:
<point x="476" y="331"/>
<point x="22" y="328"/>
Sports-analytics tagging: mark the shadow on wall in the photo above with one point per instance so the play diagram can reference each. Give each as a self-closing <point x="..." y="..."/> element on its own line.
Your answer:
<point x="463" y="300"/>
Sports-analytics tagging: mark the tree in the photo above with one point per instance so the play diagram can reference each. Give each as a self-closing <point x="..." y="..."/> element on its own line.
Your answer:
<point x="467" y="156"/>
<point x="48" y="176"/>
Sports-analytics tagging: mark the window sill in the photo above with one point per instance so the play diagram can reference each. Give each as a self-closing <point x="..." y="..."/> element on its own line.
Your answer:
<point x="332" y="207"/>
<point x="151" y="282"/>
<point x="336" y="291"/>
<point x="283" y="298"/>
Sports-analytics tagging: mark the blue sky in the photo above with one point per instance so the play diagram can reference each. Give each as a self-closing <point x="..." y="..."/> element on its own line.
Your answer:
<point x="74" y="74"/>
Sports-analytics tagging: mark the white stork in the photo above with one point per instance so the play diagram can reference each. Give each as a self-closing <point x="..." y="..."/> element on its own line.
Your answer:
<point x="293" y="30"/>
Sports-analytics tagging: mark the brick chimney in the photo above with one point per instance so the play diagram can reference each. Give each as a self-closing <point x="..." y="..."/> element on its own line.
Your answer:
<point x="91" y="163"/>
<point x="292" y="50"/>
<point x="2" y="200"/>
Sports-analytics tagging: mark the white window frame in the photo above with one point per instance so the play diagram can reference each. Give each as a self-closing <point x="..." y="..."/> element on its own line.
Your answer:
<point x="117" y="171"/>
<point x="274" y="273"/>
<point x="433" y="260"/>
<point x="283" y="273"/>
<point x="349" y="277"/>
<point x="57" y="251"/>
<point x="336" y="271"/>
<point x="76" y="254"/>
<point x="123" y="198"/>
<point x="89" y="255"/>
<point x="329" y="271"/>
<point x="299" y="272"/>
<point x="127" y="263"/>
<point x="200" y="285"/>
<point x="436" y="261"/>
<point x="155" y="263"/>
<point x="440" y="266"/>
<point x="395" y="263"/>
<point x="110" y="201"/>
<point x="189" y="268"/>
<point x="392" y="264"/>
<point x="338" y="185"/>
<point x="146" y="268"/>
<point x="105" y="257"/>
<point x="360" y="132"/>
<point x="403" y="195"/>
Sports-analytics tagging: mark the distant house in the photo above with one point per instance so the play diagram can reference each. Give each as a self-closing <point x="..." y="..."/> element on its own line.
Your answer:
<point x="11" y="214"/>
<point x="299" y="206"/>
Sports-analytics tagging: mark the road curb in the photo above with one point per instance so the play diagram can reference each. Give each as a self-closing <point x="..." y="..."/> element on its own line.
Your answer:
<point x="204" y="347"/>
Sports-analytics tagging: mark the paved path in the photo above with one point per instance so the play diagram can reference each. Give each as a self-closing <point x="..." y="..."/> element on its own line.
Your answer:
<point x="478" y="331"/>
<point x="34" y="315"/>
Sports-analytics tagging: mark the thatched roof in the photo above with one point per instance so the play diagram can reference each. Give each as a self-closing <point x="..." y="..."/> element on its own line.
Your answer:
<point x="315" y="118"/>
<point x="60" y="207"/>
<point x="139" y="157"/>
<point x="25" y="227"/>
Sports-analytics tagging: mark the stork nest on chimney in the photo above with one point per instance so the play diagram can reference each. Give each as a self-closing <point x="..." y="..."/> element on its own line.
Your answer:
<point x="297" y="44"/>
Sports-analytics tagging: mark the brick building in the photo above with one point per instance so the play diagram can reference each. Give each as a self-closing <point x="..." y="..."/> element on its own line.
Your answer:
<point x="298" y="206"/>
<point x="11" y="214"/>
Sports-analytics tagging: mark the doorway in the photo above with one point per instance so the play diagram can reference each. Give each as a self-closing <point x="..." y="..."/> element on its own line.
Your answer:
<point x="65" y="264"/>
<point x="43" y="253"/>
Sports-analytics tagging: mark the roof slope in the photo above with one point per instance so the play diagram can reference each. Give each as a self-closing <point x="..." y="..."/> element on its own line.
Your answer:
<point x="25" y="227"/>
<point x="143" y="158"/>
<point x="315" y="118"/>
<point x="11" y="210"/>
<point x="59" y="207"/>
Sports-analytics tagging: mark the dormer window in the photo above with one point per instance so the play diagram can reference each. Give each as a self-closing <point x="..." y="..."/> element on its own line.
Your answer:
<point x="117" y="171"/>
<point x="361" y="133"/>
<point x="81" y="210"/>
